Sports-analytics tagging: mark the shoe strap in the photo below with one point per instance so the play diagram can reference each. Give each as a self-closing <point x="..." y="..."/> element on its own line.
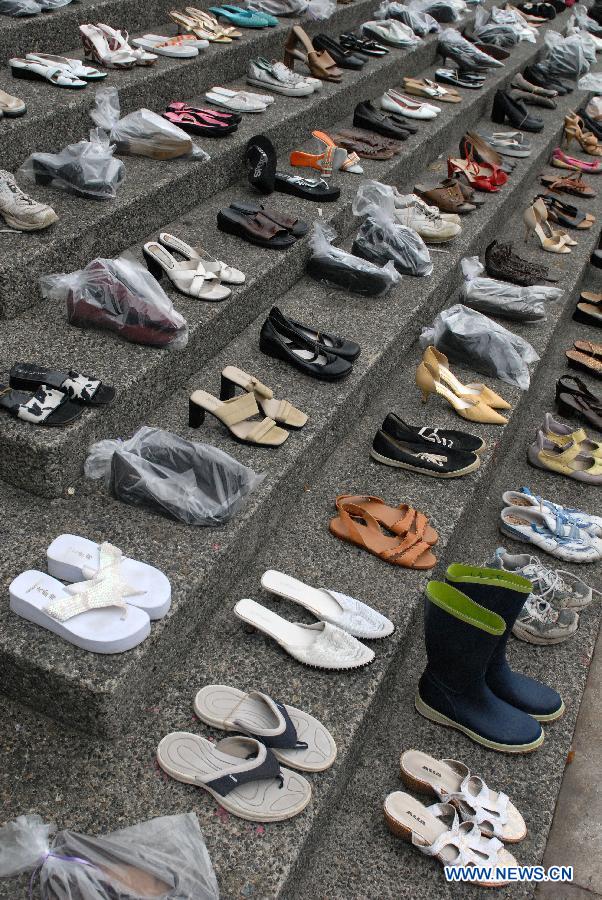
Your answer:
<point x="241" y="408"/>
<point x="41" y="405"/>
<point x="261" y="430"/>
<point x="261" y="767"/>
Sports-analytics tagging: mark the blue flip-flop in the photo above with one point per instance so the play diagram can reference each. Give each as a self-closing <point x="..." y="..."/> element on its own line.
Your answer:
<point x="243" y="18"/>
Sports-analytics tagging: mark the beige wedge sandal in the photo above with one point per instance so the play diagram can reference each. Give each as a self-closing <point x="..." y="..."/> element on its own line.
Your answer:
<point x="281" y="411"/>
<point x="234" y="414"/>
<point x="452" y="782"/>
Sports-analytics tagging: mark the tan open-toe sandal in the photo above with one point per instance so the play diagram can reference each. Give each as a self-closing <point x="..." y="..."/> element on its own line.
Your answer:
<point x="210" y="23"/>
<point x="356" y="526"/>
<point x="452" y="782"/>
<point x="235" y="415"/>
<point x="320" y="64"/>
<point x="401" y="520"/>
<point x="436" y="831"/>
<point x="281" y="411"/>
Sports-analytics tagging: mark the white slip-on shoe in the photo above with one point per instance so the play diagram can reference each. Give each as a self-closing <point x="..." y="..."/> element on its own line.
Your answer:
<point x="322" y="645"/>
<point x="227" y="274"/>
<point x="73" y="558"/>
<point x="548" y="532"/>
<point x="93" y="615"/>
<point x="294" y="737"/>
<point x="345" y="612"/>
<point x="266" y="99"/>
<point x="397" y="103"/>
<point x="241" y="102"/>
<point x="19" y="210"/>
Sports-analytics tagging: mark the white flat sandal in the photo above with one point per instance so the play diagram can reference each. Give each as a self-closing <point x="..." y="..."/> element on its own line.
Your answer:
<point x="39" y="71"/>
<point x="189" y="277"/>
<point x="71" y="66"/>
<point x="164" y="48"/>
<point x="240" y="102"/>
<point x="222" y="270"/>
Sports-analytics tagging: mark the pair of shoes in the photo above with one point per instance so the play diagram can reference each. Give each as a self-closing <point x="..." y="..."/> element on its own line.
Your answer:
<point x="109" y="47"/>
<point x="367" y="144"/>
<point x="519" y="82"/>
<point x="314" y="352"/>
<point x="439" y="452"/>
<point x="566" y="214"/>
<point x="279" y="78"/>
<point x="399" y="535"/>
<point x="394" y="102"/>
<point x="236" y="413"/>
<point x="505" y="106"/>
<point x="474" y="146"/>
<point x="394" y="126"/>
<point x="432" y="226"/>
<point x="331" y="159"/>
<point x="509" y="143"/>
<point x="424" y="87"/>
<point x="560" y="160"/>
<point x="572" y="184"/>
<point x="199" y="274"/>
<point x="574" y="398"/>
<point x="57" y="70"/>
<point x="540" y="622"/>
<point x="480" y="166"/>
<point x="106" y="606"/>
<point x="587" y="356"/>
<point x="574" y="130"/>
<point x="569" y="455"/>
<point x="591" y="525"/>
<point x="202" y="120"/>
<point x="538" y="75"/>
<point x="344" y="58"/>
<point x="261" y="162"/>
<point x="473" y="402"/>
<point x="52" y="397"/>
<point x="536" y="222"/>
<point x="204" y="26"/>
<point x="460" y="78"/>
<point x="260" y="225"/>
<point x="452" y="45"/>
<point x="503" y="264"/>
<point x="362" y="46"/>
<point x="468" y="684"/>
<point x="321" y="65"/>
<point x="20" y="211"/>
<point x="448" y="197"/>
<point x="242" y="18"/>
<point x="238" y="101"/>
<point x="391" y="33"/>
<point x="569" y="535"/>
<point x="180" y="46"/>
<point x="588" y="312"/>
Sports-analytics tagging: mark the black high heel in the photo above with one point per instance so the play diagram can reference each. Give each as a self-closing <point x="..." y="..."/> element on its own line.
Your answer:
<point x="196" y="415"/>
<point x="153" y="266"/>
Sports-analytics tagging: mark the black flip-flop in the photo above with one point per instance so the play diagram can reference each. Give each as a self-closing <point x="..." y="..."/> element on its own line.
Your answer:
<point x="256" y="229"/>
<point x="47" y="406"/>
<point x="309" y="189"/>
<point x="84" y="389"/>
<point x="260" y="157"/>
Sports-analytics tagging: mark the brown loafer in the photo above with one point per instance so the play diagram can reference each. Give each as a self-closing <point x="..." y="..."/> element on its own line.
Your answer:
<point x="449" y="199"/>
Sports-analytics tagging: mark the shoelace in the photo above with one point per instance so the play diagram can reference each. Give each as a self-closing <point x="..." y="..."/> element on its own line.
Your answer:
<point x="20" y="198"/>
<point x="564" y="531"/>
<point x="540" y="610"/>
<point x="434" y="436"/>
<point x="548" y="581"/>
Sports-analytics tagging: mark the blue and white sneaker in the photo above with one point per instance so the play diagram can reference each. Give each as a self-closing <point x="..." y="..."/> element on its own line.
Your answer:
<point x="550" y="532"/>
<point x="524" y="497"/>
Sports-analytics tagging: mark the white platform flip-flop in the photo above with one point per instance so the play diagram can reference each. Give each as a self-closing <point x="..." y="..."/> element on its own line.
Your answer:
<point x="73" y="558"/>
<point x="92" y="615"/>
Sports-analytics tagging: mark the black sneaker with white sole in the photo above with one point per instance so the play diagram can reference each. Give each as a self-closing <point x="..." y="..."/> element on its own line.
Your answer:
<point x="422" y="457"/>
<point x="447" y="438"/>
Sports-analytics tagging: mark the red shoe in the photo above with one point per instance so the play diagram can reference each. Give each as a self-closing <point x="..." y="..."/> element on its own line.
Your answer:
<point x="477" y="175"/>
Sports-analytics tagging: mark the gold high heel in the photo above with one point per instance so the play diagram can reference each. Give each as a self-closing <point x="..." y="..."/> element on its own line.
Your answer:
<point x="210" y="23"/>
<point x="438" y="365"/>
<point x="537" y="223"/>
<point x="574" y="130"/>
<point x="471" y="410"/>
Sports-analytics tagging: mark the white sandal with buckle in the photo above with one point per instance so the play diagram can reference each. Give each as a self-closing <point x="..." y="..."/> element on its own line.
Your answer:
<point x="227" y="274"/>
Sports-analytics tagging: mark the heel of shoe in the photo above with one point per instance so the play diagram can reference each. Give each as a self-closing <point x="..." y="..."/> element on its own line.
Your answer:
<point x="25" y="74"/>
<point x="289" y="59"/>
<point x="41" y="177"/>
<point x="397" y="828"/>
<point x="153" y="266"/>
<point x="196" y="415"/>
<point x="498" y="113"/>
<point x="227" y="389"/>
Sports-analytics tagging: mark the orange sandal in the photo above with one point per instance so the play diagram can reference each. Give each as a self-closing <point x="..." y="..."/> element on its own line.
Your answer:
<point x="356" y="526"/>
<point x="333" y="158"/>
<point x="410" y="521"/>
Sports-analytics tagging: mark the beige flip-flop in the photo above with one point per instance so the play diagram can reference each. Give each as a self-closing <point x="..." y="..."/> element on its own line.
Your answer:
<point x="452" y="782"/>
<point x="293" y="736"/>
<point x="241" y="773"/>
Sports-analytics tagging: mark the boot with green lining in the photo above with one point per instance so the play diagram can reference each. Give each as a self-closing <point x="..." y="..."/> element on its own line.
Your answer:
<point x="461" y="637"/>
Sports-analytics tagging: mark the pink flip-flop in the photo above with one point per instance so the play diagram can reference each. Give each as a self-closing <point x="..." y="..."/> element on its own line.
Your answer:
<point x="200" y="123"/>
<point x="562" y="161"/>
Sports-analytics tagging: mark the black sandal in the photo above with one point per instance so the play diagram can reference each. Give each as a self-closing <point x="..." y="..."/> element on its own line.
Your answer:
<point x="256" y="229"/>
<point x="565" y="213"/>
<point x="46" y="406"/>
<point x="297" y="227"/>
<point x="308" y="188"/>
<point x="84" y="389"/>
<point x="578" y="402"/>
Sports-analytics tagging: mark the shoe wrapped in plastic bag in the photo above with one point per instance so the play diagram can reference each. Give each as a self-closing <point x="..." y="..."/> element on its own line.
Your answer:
<point x="584" y="21"/>
<point x="277" y="7"/>
<point x="341" y="269"/>
<point x="87" y="169"/>
<point x="452" y="45"/>
<point x="19" y="8"/>
<point x="500" y="298"/>
<point x="420" y="22"/>
<point x="381" y="239"/>
<point x="565" y="57"/>
<point x="318" y="10"/>
<point x="119" y="295"/>
<point x="165" y="857"/>
<point x="443" y="11"/>
<point x="190" y="482"/>
<point x="142" y="133"/>
<point x="472" y="339"/>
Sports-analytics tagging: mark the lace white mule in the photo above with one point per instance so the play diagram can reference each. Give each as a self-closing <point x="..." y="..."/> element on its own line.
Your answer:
<point x="227" y="274"/>
<point x="436" y="831"/>
<point x="452" y="782"/>
<point x="294" y="737"/>
<point x="345" y="612"/>
<point x="92" y="615"/>
<point x="73" y="558"/>
<point x="321" y="645"/>
<point x="190" y="277"/>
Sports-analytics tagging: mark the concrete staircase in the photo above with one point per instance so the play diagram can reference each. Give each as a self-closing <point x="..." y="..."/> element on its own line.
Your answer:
<point x="99" y="718"/>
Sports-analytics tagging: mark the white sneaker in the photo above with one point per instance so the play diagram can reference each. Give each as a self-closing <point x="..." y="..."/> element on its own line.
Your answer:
<point x="556" y="586"/>
<point x="550" y="533"/>
<point x="429" y="225"/>
<point x="583" y="520"/>
<point x="539" y="623"/>
<point x="19" y="210"/>
<point x="278" y="78"/>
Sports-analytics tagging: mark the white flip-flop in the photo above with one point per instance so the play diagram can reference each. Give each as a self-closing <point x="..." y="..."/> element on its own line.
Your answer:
<point x="73" y="558"/>
<point x="239" y="772"/>
<point x="345" y="612"/>
<point x="92" y="615"/>
<point x="162" y="48"/>
<point x="293" y="736"/>
<point x="322" y="645"/>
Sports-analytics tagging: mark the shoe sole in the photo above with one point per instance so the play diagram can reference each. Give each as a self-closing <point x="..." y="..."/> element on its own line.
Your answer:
<point x="440" y="719"/>
<point x="563" y="556"/>
<point x="524" y="635"/>
<point x="276" y="88"/>
<point x="396" y="464"/>
<point x="24" y="226"/>
<point x="551" y="717"/>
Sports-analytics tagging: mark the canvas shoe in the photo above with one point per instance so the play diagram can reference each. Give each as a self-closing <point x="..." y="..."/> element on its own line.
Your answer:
<point x="19" y="210"/>
<point x="424" y="220"/>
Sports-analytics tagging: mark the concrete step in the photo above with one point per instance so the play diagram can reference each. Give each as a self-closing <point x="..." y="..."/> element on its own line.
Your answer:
<point x="91" y="692"/>
<point x="144" y="377"/>
<point x="368" y="711"/>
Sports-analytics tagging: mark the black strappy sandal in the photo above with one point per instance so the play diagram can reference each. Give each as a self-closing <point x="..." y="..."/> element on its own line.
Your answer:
<point x="84" y="389"/>
<point x="566" y="214"/>
<point x="46" y="406"/>
<point x="578" y="402"/>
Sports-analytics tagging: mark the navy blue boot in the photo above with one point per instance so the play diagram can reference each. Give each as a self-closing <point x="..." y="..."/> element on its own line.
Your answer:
<point x="505" y="593"/>
<point x="461" y="638"/>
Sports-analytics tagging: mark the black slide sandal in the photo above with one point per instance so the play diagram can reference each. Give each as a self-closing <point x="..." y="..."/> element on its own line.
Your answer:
<point x="46" y="407"/>
<point x="298" y="227"/>
<point x="256" y="229"/>
<point x="260" y="156"/>
<point x="81" y="389"/>
<point x="308" y="189"/>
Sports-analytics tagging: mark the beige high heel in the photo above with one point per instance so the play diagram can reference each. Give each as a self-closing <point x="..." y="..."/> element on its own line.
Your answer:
<point x="281" y="411"/>
<point x="438" y="364"/>
<point x="543" y="213"/>
<point x="235" y="415"/>
<point x="469" y="409"/>
<point x="539" y="226"/>
<point x="320" y="64"/>
<point x="574" y="131"/>
<point x="191" y="26"/>
<point x="210" y="23"/>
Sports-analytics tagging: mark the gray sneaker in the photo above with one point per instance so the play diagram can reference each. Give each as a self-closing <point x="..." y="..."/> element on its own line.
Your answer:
<point x="19" y="210"/>
<point x="553" y="585"/>
<point x="539" y="623"/>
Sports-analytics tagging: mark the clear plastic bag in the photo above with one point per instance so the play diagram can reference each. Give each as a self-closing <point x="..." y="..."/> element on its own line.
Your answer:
<point x="565" y="56"/>
<point x="472" y="339"/>
<point x="119" y="295"/>
<point x="192" y="483"/>
<point x="590" y="82"/>
<point x="503" y="27"/>
<point x="19" y="8"/>
<point x="142" y="133"/>
<point x="523" y="304"/>
<point x="277" y="7"/>
<point x="381" y="238"/>
<point x="49" y="5"/>
<point x="161" y="858"/>
<point x="334" y="266"/>
<point x="455" y="46"/>
<point x="87" y="168"/>
<point x="444" y="11"/>
<point x="318" y="10"/>
<point x="420" y="22"/>
<point x="594" y="106"/>
<point x="584" y="21"/>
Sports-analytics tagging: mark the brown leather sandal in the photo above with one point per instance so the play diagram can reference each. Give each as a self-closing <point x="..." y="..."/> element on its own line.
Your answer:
<point x="371" y="139"/>
<point x="320" y="64"/>
<point x="401" y="520"/>
<point x="586" y="356"/>
<point x="572" y="184"/>
<point x="356" y="526"/>
<point x="354" y="145"/>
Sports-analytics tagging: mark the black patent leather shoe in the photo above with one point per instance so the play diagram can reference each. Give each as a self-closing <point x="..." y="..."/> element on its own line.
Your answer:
<point x="294" y="343"/>
<point x="345" y="59"/>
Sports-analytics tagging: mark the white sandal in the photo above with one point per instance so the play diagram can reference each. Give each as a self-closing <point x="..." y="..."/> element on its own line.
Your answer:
<point x="322" y="645"/>
<point x="93" y="615"/>
<point x="224" y="272"/>
<point x="240" y="102"/>
<point x="39" y="71"/>
<point x="436" y="831"/>
<point x="294" y="737"/>
<point x="70" y="66"/>
<point x="162" y="47"/>
<point x="96" y="47"/>
<point x="452" y="782"/>
<point x="74" y="559"/>
<point x="351" y="615"/>
<point x="190" y="277"/>
<point x="118" y="42"/>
